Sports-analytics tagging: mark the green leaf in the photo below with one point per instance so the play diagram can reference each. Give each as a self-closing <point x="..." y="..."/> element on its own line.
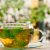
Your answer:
<point x="11" y="33"/>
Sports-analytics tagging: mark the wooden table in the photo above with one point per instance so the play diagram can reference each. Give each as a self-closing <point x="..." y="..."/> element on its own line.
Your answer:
<point x="48" y="48"/>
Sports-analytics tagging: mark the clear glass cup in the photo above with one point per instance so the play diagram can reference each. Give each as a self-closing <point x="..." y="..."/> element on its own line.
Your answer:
<point x="15" y="35"/>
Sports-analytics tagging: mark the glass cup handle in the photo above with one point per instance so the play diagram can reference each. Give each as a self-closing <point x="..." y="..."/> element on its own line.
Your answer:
<point x="43" y="35"/>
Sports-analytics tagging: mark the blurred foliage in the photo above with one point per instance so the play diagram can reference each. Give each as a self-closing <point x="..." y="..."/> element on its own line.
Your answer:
<point x="16" y="4"/>
<point x="38" y="14"/>
<point x="48" y="11"/>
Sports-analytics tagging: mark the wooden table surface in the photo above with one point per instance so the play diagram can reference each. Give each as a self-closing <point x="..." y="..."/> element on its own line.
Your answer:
<point x="47" y="48"/>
